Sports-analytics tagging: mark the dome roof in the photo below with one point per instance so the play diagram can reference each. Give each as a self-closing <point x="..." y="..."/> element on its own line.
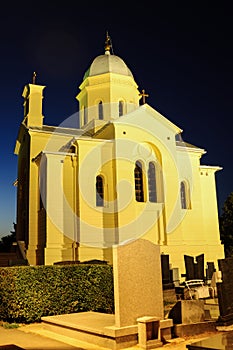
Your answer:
<point x="108" y="63"/>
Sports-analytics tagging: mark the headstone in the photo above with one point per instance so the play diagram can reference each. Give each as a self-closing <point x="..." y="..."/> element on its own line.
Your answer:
<point x="189" y="267"/>
<point x="210" y="270"/>
<point x="176" y="276"/>
<point x="194" y="270"/>
<point x="216" y="278"/>
<point x="165" y="268"/>
<point x="167" y="281"/>
<point x="225" y="292"/>
<point x="199" y="267"/>
<point x="137" y="282"/>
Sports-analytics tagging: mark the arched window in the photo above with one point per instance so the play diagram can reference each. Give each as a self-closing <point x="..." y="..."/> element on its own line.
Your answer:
<point x="184" y="196"/>
<point x="138" y="180"/>
<point x="152" y="183"/>
<point x="121" y="108"/>
<point x="101" y="111"/>
<point x="99" y="191"/>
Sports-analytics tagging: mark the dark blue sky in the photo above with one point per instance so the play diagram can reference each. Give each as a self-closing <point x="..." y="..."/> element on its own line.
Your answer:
<point x="180" y="52"/>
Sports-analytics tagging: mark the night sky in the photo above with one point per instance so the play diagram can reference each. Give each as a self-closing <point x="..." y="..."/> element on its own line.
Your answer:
<point x="181" y="53"/>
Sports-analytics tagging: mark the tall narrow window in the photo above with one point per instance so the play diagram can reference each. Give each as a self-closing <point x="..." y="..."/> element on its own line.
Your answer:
<point x="99" y="191"/>
<point x="138" y="179"/>
<point x="121" y="108"/>
<point x="183" y="195"/>
<point x="152" y="183"/>
<point x="101" y="111"/>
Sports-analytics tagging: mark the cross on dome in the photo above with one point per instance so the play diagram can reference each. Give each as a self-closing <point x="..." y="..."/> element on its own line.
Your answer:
<point x="108" y="44"/>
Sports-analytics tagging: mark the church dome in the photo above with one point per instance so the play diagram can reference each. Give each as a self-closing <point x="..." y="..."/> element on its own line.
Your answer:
<point x="108" y="63"/>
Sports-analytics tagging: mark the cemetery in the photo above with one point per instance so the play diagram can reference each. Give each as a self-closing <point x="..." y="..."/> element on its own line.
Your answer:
<point x="137" y="301"/>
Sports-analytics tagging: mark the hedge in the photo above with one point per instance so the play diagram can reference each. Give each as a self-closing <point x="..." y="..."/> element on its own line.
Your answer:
<point x="29" y="292"/>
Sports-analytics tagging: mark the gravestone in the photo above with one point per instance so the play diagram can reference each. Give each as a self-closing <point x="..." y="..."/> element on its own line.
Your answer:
<point x="175" y="276"/>
<point x="189" y="267"/>
<point x="167" y="280"/>
<point x="194" y="270"/>
<point x="225" y="292"/>
<point x="137" y="282"/>
<point x="199" y="267"/>
<point x="165" y="268"/>
<point x="210" y="270"/>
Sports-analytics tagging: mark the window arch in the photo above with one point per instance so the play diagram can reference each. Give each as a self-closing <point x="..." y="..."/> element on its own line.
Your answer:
<point x="184" y="195"/>
<point x="138" y="180"/>
<point x="152" y="182"/>
<point x="101" y="110"/>
<point x="121" y="108"/>
<point x="99" y="191"/>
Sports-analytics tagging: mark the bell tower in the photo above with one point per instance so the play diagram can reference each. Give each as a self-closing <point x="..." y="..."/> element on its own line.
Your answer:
<point x="108" y="90"/>
<point x="33" y="96"/>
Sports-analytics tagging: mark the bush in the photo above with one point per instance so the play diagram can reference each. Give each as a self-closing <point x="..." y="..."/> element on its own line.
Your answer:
<point x="29" y="292"/>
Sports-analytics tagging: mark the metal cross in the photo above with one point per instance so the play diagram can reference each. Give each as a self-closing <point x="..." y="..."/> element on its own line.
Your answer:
<point x="34" y="78"/>
<point x="144" y="95"/>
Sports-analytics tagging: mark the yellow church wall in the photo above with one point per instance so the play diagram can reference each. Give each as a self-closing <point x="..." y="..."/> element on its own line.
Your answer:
<point x="40" y="141"/>
<point x="191" y="219"/>
<point x="199" y="225"/>
<point x="36" y="144"/>
<point x="97" y="224"/>
<point x="144" y="125"/>
<point x="70" y="198"/>
<point x="209" y="199"/>
<point x="136" y="218"/>
<point x="87" y="253"/>
<point x="61" y="233"/>
<point x="33" y="214"/>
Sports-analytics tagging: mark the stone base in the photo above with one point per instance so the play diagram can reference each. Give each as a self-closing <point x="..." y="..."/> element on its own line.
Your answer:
<point x="151" y="344"/>
<point x="188" y="311"/>
<point x="99" y="329"/>
<point x="92" y="327"/>
<point x="181" y="330"/>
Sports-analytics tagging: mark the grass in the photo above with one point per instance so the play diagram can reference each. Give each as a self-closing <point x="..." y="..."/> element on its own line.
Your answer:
<point x="8" y="325"/>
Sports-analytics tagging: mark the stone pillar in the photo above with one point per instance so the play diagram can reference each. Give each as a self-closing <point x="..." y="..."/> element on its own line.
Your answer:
<point x="54" y="207"/>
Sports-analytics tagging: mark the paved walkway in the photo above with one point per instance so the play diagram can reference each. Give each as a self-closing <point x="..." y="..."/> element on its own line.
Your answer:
<point x="25" y="337"/>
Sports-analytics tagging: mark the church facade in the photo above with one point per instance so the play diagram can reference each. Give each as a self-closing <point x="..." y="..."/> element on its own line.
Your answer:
<point x="115" y="172"/>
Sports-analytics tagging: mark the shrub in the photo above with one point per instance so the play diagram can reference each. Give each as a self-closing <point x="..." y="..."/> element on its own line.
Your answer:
<point x="29" y="292"/>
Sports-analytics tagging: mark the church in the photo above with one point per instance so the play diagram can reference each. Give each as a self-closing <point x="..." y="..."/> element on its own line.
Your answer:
<point x="116" y="171"/>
